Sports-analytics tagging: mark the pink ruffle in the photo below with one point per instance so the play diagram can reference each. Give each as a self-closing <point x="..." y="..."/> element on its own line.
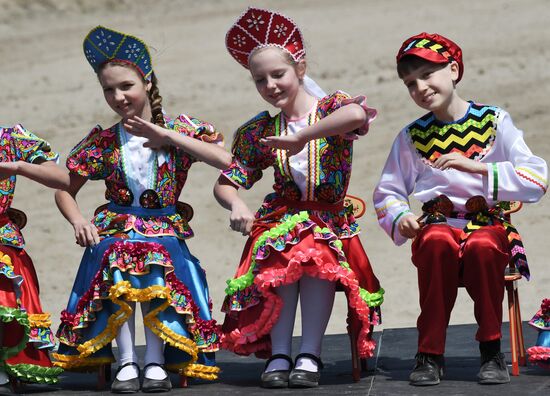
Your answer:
<point x="540" y="356"/>
<point x="244" y="340"/>
<point x="371" y="113"/>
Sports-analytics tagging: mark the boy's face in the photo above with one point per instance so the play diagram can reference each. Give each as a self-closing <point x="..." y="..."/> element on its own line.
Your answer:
<point x="432" y="85"/>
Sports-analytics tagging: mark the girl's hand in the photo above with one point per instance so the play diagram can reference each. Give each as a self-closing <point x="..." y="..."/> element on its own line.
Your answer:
<point x="408" y="226"/>
<point x="8" y="169"/>
<point x="459" y="162"/>
<point x="158" y="136"/>
<point x="241" y="218"/>
<point x="291" y="143"/>
<point x="85" y="233"/>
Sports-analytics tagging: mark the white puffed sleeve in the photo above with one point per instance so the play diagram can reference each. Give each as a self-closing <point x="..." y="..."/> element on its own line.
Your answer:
<point x="521" y="175"/>
<point x="391" y="195"/>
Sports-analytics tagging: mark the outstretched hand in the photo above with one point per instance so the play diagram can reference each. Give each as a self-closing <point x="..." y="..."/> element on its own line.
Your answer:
<point x="459" y="162"/>
<point x="291" y="143"/>
<point x="157" y="135"/>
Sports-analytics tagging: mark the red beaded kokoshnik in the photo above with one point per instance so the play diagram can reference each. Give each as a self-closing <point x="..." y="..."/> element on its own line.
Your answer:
<point x="257" y="28"/>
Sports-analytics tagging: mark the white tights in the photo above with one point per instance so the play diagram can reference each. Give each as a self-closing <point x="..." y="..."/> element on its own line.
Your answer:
<point x="154" y="347"/>
<point x="316" y="301"/>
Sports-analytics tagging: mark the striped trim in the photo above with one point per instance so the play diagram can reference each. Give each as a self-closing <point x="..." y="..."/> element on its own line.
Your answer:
<point x="381" y="212"/>
<point x="535" y="179"/>
<point x="395" y="222"/>
<point x="495" y="181"/>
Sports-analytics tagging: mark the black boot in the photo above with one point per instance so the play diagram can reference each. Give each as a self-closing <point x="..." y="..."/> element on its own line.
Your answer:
<point x="428" y="370"/>
<point x="493" y="366"/>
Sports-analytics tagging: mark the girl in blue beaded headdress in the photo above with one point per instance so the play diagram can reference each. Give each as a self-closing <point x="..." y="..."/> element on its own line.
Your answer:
<point x="135" y="245"/>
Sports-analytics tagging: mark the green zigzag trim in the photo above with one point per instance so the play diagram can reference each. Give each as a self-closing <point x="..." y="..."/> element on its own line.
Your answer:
<point x="246" y="280"/>
<point x="7" y="315"/>
<point x="34" y="373"/>
<point x="437" y="130"/>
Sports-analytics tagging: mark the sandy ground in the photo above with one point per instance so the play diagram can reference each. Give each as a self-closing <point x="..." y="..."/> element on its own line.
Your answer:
<point x="47" y="85"/>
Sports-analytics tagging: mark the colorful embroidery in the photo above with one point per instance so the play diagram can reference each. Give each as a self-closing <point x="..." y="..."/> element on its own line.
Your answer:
<point x="329" y="158"/>
<point x="18" y="144"/>
<point x="472" y="136"/>
<point x="98" y="156"/>
<point x="111" y="223"/>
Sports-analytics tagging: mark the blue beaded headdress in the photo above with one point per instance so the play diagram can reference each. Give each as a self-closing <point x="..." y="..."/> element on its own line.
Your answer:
<point x="102" y="45"/>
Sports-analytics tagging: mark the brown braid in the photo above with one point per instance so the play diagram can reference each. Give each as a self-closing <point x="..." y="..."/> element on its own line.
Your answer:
<point x="155" y="101"/>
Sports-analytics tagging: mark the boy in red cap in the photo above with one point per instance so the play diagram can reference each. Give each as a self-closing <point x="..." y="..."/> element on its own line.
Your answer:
<point x="465" y="162"/>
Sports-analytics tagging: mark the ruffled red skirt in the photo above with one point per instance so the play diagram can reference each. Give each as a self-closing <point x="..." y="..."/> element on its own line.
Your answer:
<point x="307" y="248"/>
<point x="26" y="335"/>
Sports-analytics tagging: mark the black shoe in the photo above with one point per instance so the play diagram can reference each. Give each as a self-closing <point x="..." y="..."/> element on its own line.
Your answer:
<point x="277" y="378"/>
<point x="5" y="389"/>
<point x="152" y="385"/>
<point x="128" y="386"/>
<point x="428" y="370"/>
<point x="493" y="369"/>
<point x="305" y="379"/>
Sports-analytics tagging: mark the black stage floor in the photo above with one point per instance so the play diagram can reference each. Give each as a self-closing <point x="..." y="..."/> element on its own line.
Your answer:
<point x="387" y="375"/>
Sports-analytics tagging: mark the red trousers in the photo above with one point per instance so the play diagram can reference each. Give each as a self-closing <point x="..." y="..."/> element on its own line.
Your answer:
<point x="443" y="267"/>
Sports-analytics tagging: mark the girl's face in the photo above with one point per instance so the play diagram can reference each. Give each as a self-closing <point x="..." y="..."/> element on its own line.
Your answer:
<point x="277" y="81"/>
<point x="125" y="91"/>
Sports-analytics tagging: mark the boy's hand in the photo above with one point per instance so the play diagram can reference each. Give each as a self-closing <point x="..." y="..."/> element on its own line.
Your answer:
<point x="241" y="218"/>
<point x="408" y="226"/>
<point x="158" y="136"/>
<point x="291" y="143"/>
<point x="459" y="162"/>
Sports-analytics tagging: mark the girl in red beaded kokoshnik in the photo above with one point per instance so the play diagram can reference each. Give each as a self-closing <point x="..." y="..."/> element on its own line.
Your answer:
<point x="302" y="240"/>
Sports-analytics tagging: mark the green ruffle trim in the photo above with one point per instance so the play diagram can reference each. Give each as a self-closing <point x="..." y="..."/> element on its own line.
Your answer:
<point x="7" y="315"/>
<point x="246" y="280"/>
<point x="372" y="299"/>
<point x="33" y="373"/>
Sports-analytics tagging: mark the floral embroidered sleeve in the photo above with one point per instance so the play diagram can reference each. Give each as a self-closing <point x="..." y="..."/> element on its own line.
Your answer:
<point x="250" y="156"/>
<point x="333" y="102"/>
<point x="195" y="128"/>
<point x="29" y="147"/>
<point x="88" y="158"/>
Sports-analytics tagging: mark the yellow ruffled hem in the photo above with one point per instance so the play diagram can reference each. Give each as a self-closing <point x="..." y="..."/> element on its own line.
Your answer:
<point x="113" y="323"/>
<point x="40" y="320"/>
<point x="195" y="370"/>
<point x="116" y="320"/>
<point x="169" y="336"/>
<point x="75" y="362"/>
